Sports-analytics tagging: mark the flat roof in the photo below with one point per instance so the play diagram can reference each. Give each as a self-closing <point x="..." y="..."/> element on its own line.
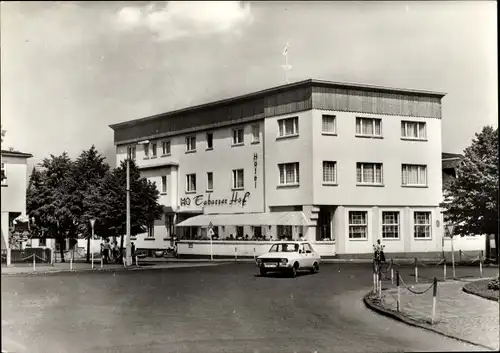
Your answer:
<point x="268" y="91"/>
<point x="7" y="153"/>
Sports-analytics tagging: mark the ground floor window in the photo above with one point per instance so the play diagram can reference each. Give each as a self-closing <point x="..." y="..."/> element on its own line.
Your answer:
<point x="239" y="232"/>
<point x="151" y="230"/>
<point x="390" y="225"/>
<point x="422" y="225"/>
<point x="285" y="232"/>
<point x="257" y="232"/>
<point x="358" y="225"/>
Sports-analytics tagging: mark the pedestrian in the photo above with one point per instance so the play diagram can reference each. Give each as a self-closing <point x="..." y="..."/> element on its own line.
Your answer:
<point x="379" y="248"/>
<point x="106" y="251"/>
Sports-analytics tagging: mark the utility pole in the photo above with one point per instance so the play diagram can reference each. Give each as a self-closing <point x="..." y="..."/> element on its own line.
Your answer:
<point x="129" y="249"/>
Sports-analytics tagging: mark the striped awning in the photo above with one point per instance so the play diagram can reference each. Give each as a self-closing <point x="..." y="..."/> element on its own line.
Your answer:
<point x="295" y="218"/>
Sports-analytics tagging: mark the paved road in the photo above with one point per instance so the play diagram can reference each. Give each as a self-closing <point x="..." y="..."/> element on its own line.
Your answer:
<point x="224" y="308"/>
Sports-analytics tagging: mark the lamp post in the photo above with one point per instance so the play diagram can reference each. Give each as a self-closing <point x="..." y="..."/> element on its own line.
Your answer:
<point x="92" y="223"/>
<point x="451" y="229"/>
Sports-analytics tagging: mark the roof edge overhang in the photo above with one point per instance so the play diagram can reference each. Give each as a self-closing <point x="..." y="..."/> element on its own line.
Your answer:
<point x="278" y="89"/>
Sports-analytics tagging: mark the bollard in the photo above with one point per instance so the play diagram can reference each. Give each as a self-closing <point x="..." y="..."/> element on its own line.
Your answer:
<point x="453" y="263"/>
<point x="374" y="282"/>
<point x="399" y="292"/>
<point x="71" y="263"/>
<point x="434" y="299"/>
<point x="136" y="261"/>
<point x="416" y="271"/>
<point x="254" y="254"/>
<point x="124" y="262"/>
<point x="481" y="263"/>
<point x="444" y="270"/>
<point x="92" y="255"/>
<point x="34" y="263"/>
<point x="102" y="263"/>
<point x="379" y="286"/>
<point x="460" y="256"/>
<point x="392" y="276"/>
<point x="236" y="253"/>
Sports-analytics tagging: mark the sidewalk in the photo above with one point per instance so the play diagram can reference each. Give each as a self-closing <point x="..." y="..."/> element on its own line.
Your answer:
<point x="458" y="314"/>
<point x="85" y="267"/>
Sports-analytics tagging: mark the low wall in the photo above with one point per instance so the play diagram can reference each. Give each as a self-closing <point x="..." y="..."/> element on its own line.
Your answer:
<point x="240" y="249"/>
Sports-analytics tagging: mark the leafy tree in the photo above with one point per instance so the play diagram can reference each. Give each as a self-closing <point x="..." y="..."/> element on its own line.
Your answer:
<point x="471" y="199"/>
<point x="48" y="200"/>
<point x="108" y="202"/>
<point x="88" y="171"/>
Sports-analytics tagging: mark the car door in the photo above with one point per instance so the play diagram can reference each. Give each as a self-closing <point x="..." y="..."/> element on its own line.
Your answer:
<point x="310" y="255"/>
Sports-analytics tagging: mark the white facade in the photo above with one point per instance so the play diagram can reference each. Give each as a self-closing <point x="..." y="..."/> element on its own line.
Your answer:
<point x="368" y="171"/>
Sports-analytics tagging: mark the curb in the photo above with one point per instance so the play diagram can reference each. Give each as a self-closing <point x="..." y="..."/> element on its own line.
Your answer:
<point x="481" y="295"/>
<point x="398" y="316"/>
<point x="134" y="268"/>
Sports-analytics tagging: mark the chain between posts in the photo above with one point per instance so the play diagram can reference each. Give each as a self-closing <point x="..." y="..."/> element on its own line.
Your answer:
<point x="415" y="292"/>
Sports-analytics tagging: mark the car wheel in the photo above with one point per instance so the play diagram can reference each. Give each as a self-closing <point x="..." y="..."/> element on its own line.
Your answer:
<point x="315" y="268"/>
<point x="263" y="272"/>
<point x="293" y="272"/>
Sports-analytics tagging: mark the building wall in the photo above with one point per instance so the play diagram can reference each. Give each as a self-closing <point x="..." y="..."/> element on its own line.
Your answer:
<point x="14" y="190"/>
<point x="289" y="150"/>
<point x="346" y="149"/>
<point x="220" y="160"/>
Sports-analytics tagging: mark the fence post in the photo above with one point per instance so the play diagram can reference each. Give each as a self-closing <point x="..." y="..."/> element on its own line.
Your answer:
<point x="392" y="272"/>
<point x="374" y="282"/>
<point x="434" y="299"/>
<point x="416" y="271"/>
<point x="102" y="263"/>
<point x="136" y="260"/>
<point x="254" y="254"/>
<point x="236" y="253"/>
<point x="379" y="285"/>
<point x="460" y="256"/>
<point x="452" y="258"/>
<point x="34" y="263"/>
<point x="481" y="263"/>
<point x="399" y="292"/>
<point x="92" y="255"/>
<point x="71" y="263"/>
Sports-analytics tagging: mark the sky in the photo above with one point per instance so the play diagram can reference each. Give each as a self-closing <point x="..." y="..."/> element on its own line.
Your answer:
<point x="70" y="69"/>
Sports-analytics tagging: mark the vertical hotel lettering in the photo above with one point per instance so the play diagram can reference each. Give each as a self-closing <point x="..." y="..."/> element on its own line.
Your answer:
<point x="255" y="169"/>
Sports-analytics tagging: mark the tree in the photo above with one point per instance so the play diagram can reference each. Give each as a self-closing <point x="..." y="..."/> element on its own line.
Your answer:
<point x="48" y="200"/>
<point x="471" y="199"/>
<point x="108" y="202"/>
<point x="88" y="171"/>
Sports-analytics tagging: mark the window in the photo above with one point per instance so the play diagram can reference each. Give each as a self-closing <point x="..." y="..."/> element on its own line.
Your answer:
<point x="289" y="173"/>
<point x="368" y="127"/>
<point x="191" y="183"/>
<point x="237" y="137"/>
<point x="154" y="149"/>
<point x="238" y="179"/>
<point x="390" y="225"/>
<point x="422" y="225"/>
<point x="256" y="133"/>
<point x="191" y="143"/>
<point x="165" y="148"/>
<point x="288" y="127"/>
<point x="358" y="225"/>
<point x="4" y="174"/>
<point x="369" y="173"/>
<point x="414" y="175"/>
<point x="329" y="172"/>
<point x="131" y="152"/>
<point x="42" y="242"/>
<point x="146" y="150"/>
<point x="413" y="130"/>
<point x="329" y="123"/>
<point x="285" y="232"/>
<point x="239" y="231"/>
<point x="151" y="230"/>
<point x="210" y="181"/>
<point x="210" y="141"/>
<point x="164" y="184"/>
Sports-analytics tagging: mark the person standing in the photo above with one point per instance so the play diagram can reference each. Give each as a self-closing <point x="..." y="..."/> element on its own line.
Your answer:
<point x="106" y="250"/>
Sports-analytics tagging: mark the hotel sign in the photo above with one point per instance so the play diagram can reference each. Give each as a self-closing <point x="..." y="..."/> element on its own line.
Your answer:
<point x="255" y="169"/>
<point x="207" y="200"/>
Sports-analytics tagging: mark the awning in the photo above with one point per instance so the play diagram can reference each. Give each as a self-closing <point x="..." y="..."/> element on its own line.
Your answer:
<point x="295" y="218"/>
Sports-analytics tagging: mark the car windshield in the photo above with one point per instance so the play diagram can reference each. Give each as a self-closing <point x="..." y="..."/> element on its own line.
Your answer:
<point x="285" y="247"/>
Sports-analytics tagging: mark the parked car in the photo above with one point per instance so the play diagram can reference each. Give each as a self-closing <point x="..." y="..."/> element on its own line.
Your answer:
<point x="290" y="257"/>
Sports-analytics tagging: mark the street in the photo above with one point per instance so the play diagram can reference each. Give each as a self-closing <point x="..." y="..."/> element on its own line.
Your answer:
<point x="223" y="308"/>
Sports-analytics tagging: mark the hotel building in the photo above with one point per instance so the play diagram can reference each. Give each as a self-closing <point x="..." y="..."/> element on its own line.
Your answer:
<point x="341" y="165"/>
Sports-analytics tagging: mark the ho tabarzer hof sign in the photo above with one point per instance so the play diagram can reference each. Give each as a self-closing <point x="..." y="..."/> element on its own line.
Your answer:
<point x="207" y="200"/>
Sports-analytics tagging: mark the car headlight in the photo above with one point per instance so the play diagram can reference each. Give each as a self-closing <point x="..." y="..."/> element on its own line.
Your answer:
<point x="284" y="261"/>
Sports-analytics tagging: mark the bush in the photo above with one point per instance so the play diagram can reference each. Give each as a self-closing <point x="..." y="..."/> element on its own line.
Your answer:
<point x="494" y="283"/>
